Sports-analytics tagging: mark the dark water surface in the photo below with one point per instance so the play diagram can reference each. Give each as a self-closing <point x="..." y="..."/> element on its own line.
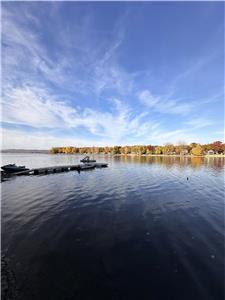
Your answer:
<point x="136" y="230"/>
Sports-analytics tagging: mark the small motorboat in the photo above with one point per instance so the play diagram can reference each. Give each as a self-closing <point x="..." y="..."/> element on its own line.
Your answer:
<point x="86" y="167"/>
<point x="87" y="159"/>
<point x="13" y="168"/>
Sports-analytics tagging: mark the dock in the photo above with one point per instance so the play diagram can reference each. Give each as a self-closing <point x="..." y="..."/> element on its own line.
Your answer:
<point x="52" y="170"/>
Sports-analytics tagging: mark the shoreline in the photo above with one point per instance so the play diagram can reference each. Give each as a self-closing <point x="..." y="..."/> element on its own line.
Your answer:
<point x="143" y="155"/>
<point x="122" y="154"/>
<point x="171" y="155"/>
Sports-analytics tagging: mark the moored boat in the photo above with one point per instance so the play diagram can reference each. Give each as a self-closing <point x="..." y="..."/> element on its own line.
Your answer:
<point x="87" y="159"/>
<point x="13" y="168"/>
<point x="86" y="167"/>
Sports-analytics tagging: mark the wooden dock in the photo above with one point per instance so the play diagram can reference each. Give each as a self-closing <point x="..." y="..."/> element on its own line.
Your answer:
<point x="52" y="170"/>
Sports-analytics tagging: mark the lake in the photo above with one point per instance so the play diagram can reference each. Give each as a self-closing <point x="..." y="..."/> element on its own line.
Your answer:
<point x="143" y="228"/>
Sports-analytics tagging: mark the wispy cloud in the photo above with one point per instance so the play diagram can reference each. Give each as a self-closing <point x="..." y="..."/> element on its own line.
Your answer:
<point x="39" y="109"/>
<point x="24" y="55"/>
<point x="35" y="107"/>
<point x="78" y="65"/>
<point x="199" y="123"/>
<point x="163" y="105"/>
<point x="95" y="72"/>
<point x="69" y="75"/>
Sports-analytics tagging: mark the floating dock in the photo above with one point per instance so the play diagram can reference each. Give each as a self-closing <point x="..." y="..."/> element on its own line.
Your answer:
<point x="51" y="170"/>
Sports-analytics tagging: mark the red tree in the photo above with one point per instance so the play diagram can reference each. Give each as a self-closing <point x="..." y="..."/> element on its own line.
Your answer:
<point x="217" y="146"/>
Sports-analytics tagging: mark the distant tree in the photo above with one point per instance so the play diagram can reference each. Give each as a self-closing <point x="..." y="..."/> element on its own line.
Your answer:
<point x="116" y="150"/>
<point x="197" y="150"/>
<point x="159" y="150"/>
<point x="97" y="150"/>
<point x="106" y="150"/>
<point x="82" y="150"/>
<point x="54" y="150"/>
<point x="142" y="150"/>
<point x="125" y="150"/>
<point x="181" y="147"/>
<point x="68" y="150"/>
<point x="193" y="145"/>
<point x="223" y="147"/>
<point x="168" y="148"/>
<point x="134" y="149"/>
<point x="217" y="146"/>
<point x="150" y="149"/>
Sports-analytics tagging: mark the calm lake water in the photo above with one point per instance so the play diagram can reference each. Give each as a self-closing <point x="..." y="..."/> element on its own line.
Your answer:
<point x="135" y="230"/>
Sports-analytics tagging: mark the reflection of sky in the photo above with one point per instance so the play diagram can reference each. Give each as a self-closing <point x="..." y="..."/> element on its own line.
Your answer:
<point x="138" y="213"/>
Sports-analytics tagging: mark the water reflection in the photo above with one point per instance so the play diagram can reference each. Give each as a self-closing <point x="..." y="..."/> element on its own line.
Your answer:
<point x="136" y="230"/>
<point x="216" y="163"/>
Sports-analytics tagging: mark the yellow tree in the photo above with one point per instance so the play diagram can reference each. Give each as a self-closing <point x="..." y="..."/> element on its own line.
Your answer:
<point x="197" y="150"/>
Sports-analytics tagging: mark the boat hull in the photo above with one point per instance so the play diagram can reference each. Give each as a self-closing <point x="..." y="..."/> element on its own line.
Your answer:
<point x="13" y="168"/>
<point x="85" y="167"/>
<point x="87" y="161"/>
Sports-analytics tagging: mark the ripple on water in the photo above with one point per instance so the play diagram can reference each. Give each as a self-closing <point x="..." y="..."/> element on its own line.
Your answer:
<point x="138" y="217"/>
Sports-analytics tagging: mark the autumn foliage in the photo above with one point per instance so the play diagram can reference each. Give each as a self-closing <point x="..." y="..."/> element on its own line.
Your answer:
<point x="197" y="150"/>
<point x="168" y="149"/>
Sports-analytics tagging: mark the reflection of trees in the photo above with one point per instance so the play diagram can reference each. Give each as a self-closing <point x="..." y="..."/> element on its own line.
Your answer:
<point x="178" y="161"/>
<point x="216" y="163"/>
<point x="197" y="162"/>
<point x="171" y="161"/>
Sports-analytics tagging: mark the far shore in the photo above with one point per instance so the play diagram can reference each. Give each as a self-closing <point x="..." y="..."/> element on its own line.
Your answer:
<point x="144" y="155"/>
<point x="22" y="151"/>
<point x="171" y="155"/>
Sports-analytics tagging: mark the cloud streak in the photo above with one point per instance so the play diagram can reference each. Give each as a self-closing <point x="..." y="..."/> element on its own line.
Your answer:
<point x="163" y="105"/>
<point x="36" y="108"/>
<point x="95" y="71"/>
<point x="68" y="76"/>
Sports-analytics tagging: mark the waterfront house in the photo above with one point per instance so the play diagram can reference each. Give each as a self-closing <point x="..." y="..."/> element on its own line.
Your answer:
<point x="184" y="152"/>
<point x="209" y="152"/>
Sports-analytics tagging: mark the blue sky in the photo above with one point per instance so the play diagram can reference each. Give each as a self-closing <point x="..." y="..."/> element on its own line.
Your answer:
<point x="119" y="73"/>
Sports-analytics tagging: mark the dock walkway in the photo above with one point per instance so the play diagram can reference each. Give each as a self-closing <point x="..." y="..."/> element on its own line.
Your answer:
<point x="51" y="170"/>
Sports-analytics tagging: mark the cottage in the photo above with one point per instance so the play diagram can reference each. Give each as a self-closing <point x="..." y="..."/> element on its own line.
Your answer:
<point x="210" y="152"/>
<point x="184" y="152"/>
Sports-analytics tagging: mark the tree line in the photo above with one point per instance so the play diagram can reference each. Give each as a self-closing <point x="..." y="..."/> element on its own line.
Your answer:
<point x="216" y="147"/>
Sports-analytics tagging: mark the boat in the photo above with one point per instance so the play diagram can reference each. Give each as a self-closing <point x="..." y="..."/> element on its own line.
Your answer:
<point x="87" y="159"/>
<point x="13" y="168"/>
<point x="86" y="167"/>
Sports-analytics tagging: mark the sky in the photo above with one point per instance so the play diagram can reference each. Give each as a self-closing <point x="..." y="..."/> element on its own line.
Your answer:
<point x="111" y="73"/>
